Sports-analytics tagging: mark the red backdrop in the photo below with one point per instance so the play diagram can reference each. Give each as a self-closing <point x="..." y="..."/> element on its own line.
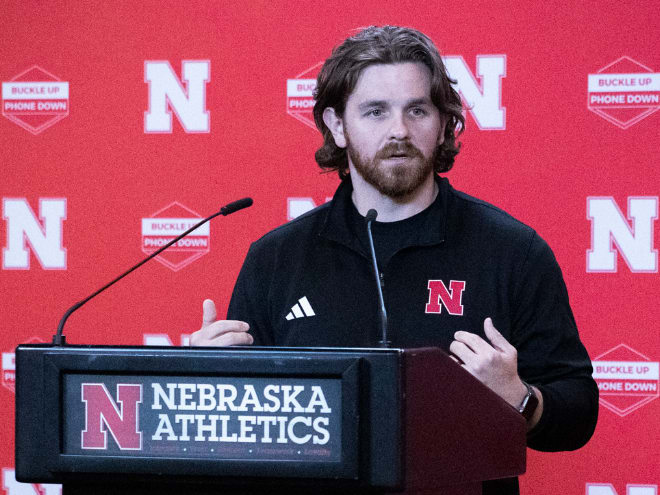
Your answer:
<point x="561" y="133"/>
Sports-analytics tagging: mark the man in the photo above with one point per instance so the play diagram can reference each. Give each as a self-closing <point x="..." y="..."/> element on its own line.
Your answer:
<point x="457" y="272"/>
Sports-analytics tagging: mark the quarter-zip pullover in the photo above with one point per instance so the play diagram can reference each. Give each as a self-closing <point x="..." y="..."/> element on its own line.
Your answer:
<point x="310" y="282"/>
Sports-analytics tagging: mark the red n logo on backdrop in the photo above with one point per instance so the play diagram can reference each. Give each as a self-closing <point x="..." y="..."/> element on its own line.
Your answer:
<point x="609" y="228"/>
<point x="451" y="298"/>
<point x="101" y="413"/>
<point x="166" y="93"/>
<point x="631" y="489"/>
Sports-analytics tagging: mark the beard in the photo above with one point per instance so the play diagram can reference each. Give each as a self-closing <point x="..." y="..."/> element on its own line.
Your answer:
<point x="395" y="180"/>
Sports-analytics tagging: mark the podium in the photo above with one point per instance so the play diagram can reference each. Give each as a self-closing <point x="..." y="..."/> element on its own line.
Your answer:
<point x="135" y="420"/>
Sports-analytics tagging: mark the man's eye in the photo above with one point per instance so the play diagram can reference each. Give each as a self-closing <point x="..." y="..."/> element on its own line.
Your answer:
<point x="417" y="112"/>
<point x="375" y="112"/>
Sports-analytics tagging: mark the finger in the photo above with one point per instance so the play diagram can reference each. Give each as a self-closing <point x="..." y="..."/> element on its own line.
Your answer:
<point x="220" y="327"/>
<point x="209" y="313"/>
<point x="496" y="338"/>
<point x="463" y="352"/>
<point x="455" y="358"/>
<point x="220" y="335"/>
<point x="232" y="338"/>
<point x="474" y="342"/>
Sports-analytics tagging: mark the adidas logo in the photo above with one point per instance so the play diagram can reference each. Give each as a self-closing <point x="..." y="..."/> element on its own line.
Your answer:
<point x="301" y="309"/>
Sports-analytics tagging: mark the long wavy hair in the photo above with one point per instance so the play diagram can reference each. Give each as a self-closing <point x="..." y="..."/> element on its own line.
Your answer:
<point x="384" y="45"/>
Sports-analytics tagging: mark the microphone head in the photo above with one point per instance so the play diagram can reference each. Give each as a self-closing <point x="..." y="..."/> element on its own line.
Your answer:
<point x="235" y="206"/>
<point x="371" y="215"/>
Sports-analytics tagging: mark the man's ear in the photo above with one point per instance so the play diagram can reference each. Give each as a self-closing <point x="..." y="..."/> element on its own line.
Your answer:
<point x="336" y="126"/>
<point x="443" y="126"/>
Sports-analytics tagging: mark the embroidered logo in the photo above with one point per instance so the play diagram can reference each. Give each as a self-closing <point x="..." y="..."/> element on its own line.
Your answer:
<point x="450" y="298"/>
<point x="301" y="309"/>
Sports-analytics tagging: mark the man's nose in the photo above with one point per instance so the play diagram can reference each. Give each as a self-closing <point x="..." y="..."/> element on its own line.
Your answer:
<point x="398" y="127"/>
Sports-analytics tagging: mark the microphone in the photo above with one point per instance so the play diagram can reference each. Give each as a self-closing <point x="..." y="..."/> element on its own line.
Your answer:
<point x="383" y="342"/>
<point x="59" y="339"/>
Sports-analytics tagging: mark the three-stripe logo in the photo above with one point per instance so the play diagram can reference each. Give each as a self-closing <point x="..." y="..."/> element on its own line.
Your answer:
<point x="301" y="309"/>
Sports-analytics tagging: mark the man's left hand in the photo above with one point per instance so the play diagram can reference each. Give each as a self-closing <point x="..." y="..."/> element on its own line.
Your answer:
<point x="495" y="364"/>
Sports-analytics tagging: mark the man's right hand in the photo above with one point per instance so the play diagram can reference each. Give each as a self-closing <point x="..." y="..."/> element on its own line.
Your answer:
<point x="220" y="333"/>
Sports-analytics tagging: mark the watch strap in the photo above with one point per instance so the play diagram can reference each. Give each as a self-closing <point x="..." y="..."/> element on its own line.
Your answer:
<point x="529" y="403"/>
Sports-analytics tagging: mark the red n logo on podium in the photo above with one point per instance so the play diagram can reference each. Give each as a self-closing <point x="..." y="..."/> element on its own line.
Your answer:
<point x="102" y="413"/>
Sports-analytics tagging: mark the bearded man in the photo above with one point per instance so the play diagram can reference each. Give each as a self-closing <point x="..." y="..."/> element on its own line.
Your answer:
<point x="457" y="272"/>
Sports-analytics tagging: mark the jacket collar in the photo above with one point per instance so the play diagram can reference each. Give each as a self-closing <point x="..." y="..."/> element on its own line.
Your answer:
<point x="336" y="227"/>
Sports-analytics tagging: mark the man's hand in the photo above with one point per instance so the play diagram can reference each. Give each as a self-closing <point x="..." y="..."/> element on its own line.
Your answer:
<point x="220" y="333"/>
<point x="494" y="364"/>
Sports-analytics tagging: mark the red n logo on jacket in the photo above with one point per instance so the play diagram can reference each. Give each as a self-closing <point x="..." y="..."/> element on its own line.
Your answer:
<point x="451" y="299"/>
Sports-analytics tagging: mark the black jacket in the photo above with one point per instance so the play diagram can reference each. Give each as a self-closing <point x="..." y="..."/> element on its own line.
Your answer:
<point x="507" y="272"/>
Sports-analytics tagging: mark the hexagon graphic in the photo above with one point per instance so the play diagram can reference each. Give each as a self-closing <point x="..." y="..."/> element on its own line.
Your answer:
<point x="624" y="92"/>
<point x="627" y="380"/>
<point x="35" y="99"/>
<point x="299" y="95"/>
<point x="169" y="222"/>
<point x="9" y="365"/>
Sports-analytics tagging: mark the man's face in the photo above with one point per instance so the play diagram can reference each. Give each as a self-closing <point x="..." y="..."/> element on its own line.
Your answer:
<point x="391" y="127"/>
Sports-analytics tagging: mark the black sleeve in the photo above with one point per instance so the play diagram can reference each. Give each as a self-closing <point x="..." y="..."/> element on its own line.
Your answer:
<point x="249" y="301"/>
<point x="551" y="355"/>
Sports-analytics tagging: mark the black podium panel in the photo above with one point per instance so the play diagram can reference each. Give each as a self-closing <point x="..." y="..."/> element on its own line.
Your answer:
<point x="167" y="420"/>
<point x="209" y="415"/>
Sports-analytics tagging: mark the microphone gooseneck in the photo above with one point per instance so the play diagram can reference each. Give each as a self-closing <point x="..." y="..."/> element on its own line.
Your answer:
<point x="59" y="338"/>
<point x="383" y="342"/>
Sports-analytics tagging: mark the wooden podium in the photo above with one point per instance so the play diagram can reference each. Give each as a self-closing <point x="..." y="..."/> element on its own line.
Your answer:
<point x="165" y="420"/>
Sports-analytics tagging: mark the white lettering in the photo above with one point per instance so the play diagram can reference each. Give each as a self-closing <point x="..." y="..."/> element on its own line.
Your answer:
<point x="9" y="361"/>
<point x="207" y="400"/>
<point x="44" y="237"/>
<point x="609" y="228"/>
<point x="484" y="101"/>
<point x="186" y="391"/>
<point x="211" y="428"/>
<point x="166" y="92"/>
<point x="226" y="400"/>
<point x="184" y="420"/>
<point x="289" y="398"/>
<point x="224" y="437"/>
<point x="246" y="426"/>
<point x="298" y="206"/>
<point x="163" y="339"/>
<point x="319" y="424"/>
<point x="631" y="489"/>
<point x="164" y="427"/>
<point x="266" y="421"/>
<point x="292" y="435"/>
<point x="159" y="394"/>
<point x="13" y="487"/>
<point x="269" y="390"/>
<point x="318" y="399"/>
<point x="250" y="399"/>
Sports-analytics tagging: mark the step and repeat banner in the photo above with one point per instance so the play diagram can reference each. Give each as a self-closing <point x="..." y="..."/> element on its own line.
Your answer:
<point x="125" y="122"/>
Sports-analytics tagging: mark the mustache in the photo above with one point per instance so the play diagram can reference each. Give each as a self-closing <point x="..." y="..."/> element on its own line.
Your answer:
<point x="399" y="148"/>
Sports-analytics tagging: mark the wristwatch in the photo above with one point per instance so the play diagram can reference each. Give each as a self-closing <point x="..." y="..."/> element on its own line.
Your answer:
<point x="529" y="403"/>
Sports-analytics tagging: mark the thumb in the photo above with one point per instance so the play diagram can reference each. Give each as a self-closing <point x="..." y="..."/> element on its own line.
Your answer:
<point x="209" y="313"/>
